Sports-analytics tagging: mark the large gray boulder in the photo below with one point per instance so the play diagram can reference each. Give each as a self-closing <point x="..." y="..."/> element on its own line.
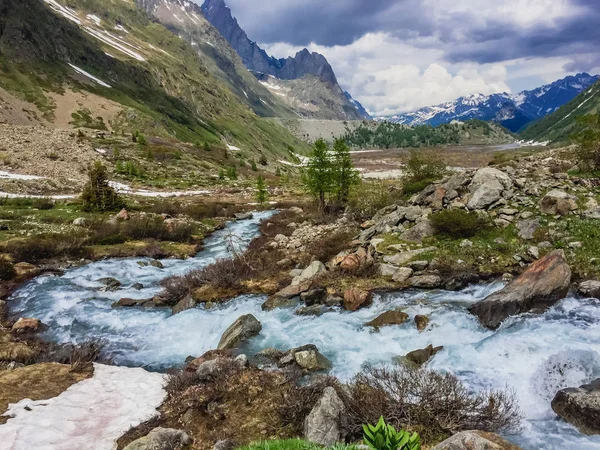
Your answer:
<point x="475" y="440"/>
<point x="314" y="268"/>
<point x="558" y="202"/>
<point x="241" y="330"/>
<point x="580" y="407"/>
<point x="487" y="187"/>
<point x="161" y="439"/>
<point x="419" y="232"/>
<point x="589" y="288"/>
<point x="323" y="425"/>
<point x="543" y="284"/>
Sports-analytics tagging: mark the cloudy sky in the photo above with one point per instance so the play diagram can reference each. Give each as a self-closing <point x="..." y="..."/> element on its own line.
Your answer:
<point x="399" y="55"/>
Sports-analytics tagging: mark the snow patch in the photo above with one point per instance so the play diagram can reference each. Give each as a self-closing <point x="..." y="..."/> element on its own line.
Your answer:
<point x="108" y="39"/>
<point x="66" y="12"/>
<point x="90" y="76"/>
<point x="233" y="148"/>
<point x="18" y="176"/>
<point x="122" y="188"/>
<point x="121" y="28"/>
<point x="97" y="410"/>
<point x="94" y="19"/>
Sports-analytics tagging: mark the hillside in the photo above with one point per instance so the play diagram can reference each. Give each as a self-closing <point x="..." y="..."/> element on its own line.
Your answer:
<point x="511" y="111"/>
<point x="558" y="126"/>
<point x="391" y="135"/>
<point x="78" y="54"/>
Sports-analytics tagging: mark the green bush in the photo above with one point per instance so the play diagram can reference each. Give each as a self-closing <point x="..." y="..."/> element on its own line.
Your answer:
<point x="410" y="187"/>
<point x="7" y="270"/>
<point x="97" y="194"/>
<point x="293" y="444"/>
<point x="38" y="249"/>
<point x="422" y="168"/>
<point x="457" y="223"/>
<point x="385" y="437"/>
<point x="43" y="204"/>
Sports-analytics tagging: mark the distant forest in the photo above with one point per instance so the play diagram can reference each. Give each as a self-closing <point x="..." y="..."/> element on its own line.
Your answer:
<point x="393" y="135"/>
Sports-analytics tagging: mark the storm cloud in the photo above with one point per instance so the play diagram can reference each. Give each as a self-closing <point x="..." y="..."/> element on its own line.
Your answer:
<point x="397" y="55"/>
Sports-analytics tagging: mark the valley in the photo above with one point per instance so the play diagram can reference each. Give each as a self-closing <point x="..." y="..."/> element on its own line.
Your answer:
<point x="208" y="243"/>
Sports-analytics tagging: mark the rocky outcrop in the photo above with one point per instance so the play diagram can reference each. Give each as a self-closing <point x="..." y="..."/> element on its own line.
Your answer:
<point x="394" y="317"/>
<point x="580" y="407"/>
<point x="475" y="440"/>
<point x="355" y="299"/>
<point x="419" y="232"/>
<point x="323" y="425"/>
<point x="161" y="439"/>
<point x="313" y="270"/>
<point x="543" y="284"/>
<point x="239" y="331"/>
<point x="487" y="187"/>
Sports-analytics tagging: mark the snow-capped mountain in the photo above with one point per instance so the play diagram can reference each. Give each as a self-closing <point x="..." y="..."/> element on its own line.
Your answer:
<point x="512" y="111"/>
<point x="360" y="108"/>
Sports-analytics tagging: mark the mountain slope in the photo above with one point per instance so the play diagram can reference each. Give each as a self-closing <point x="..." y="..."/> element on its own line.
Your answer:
<point x="558" y="126"/>
<point x="326" y="102"/>
<point x="511" y="111"/>
<point x="109" y="48"/>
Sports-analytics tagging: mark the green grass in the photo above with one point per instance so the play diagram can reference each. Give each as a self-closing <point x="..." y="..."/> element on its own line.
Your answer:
<point x="293" y="444"/>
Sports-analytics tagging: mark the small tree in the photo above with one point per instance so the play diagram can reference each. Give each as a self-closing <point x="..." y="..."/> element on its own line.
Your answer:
<point x="345" y="176"/>
<point x="221" y="175"/>
<point x="278" y="172"/>
<point x="97" y="194"/>
<point x="232" y="173"/>
<point x="317" y="177"/>
<point x="253" y="166"/>
<point x="261" y="190"/>
<point x="206" y="146"/>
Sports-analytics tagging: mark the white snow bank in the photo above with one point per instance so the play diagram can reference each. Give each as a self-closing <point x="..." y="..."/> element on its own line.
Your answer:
<point x="111" y="40"/>
<point x="91" y="414"/>
<point x="90" y="76"/>
<point x="122" y="188"/>
<point x="18" y="176"/>
<point x="94" y="19"/>
<point x="233" y="148"/>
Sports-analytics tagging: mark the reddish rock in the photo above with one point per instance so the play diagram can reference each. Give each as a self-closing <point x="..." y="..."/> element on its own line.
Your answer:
<point x="294" y="290"/>
<point x="355" y="299"/>
<point x="25" y="325"/>
<point x="351" y="263"/>
<point x="123" y="215"/>
<point x="422" y="322"/>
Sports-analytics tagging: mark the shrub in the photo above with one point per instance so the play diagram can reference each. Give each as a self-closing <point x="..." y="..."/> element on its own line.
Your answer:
<point x="97" y="194"/>
<point x="367" y="198"/>
<point x="432" y="403"/>
<point x="37" y="249"/>
<point x="43" y="204"/>
<point x="422" y="168"/>
<point x="263" y="160"/>
<point x="588" y="143"/>
<point x="385" y="437"/>
<point x="326" y="248"/>
<point x="153" y="227"/>
<point x="457" y="223"/>
<point x="410" y="187"/>
<point x="7" y="270"/>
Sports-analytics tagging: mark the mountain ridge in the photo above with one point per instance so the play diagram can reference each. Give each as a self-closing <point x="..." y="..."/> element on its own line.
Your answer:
<point x="514" y="112"/>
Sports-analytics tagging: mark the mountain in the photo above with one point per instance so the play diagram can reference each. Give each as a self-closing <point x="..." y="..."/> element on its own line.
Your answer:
<point x="559" y="125"/>
<point x="360" y="108"/>
<point x="68" y="58"/>
<point x="511" y="111"/>
<point x="299" y="74"/>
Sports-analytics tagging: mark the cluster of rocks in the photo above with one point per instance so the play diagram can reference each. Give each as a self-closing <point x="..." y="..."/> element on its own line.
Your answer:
<point x="306" y="233"/>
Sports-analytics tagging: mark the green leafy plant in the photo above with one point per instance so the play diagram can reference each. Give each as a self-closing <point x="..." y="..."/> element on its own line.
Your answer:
<point x="385" y="437"/>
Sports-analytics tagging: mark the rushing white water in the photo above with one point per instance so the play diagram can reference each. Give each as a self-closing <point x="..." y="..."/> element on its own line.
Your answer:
<point x="533" y="355"/>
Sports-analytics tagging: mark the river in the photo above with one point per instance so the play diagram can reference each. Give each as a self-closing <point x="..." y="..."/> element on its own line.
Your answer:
<point x="533" y="355"/>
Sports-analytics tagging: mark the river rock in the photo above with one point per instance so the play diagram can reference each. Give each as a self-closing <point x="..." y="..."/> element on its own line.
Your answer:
<point x="422" y="322"/>
<point x="244" y="216"/>
<point x="242" y="329"/>
<point x="543" y="284"/>
<point x="589" y="289"/>
<point x="3" y="311"/>
<point x="314" y="269"/>
<point x="580" y="407"/>
<point x="110" y="284"/>
<point x="426" y="282"/>
<point x="475" y="440"/>
<point x="558" y="202"/>
<point x="189" y="302"/>
<point x="314" y="296"/>
<point x="161" y="439"/>
<point x="422" y="356"/>
<point x="394" y="317"/>
<point x="306" y="357"/>
<point x="419" y="232"/>
<point x="314" y="310"/>
<point x="156" y="263"/>
<point x="294" y="290"/>
<point x="129" y="303"/>
<point x="323" y="425"/>
<point x="275" y="302"/>
<point x="355" y="299"/>
<point x="26" y="325"/>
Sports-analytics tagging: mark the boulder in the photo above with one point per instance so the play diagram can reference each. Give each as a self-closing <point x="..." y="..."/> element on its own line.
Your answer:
<point x="526" y="228"/>
<point x="323" y="425"/>
<point x="123" y="215"/>
<point x="314" y="296"/>
<point x="209" y="370"/>
<point x="224" y="445"/>
<point x="387" y="270"/>
<point x="419" y="232"/>
<point x="110" y="284"/>
<point x="315" y="268"/>
<point x="274" y="302"/>
<point x="161" y="439"/>
<point x="580" y="407"/>
<point x="475" y="440"/>
<point x="422" y="322"/>
<point x="314" y="310"/>
<point x="25" y="325"/>
<point x="129" y="303"/>
<point x="294" y="290"/>
<point x="589" y="289"/>
<point x="351" y="263"/>
<point x="3" y="311"/>
<point x="156" y="263"/>
<point x="244" y="216"/>
<point x="402" y="274"/>
<point x="355" y="299"/>
<point x="422" y="356"/>
<point x="487" y="187"/>
<point x="426" y="282"/>
<point x="402" y="258"/>
<point x="543" y="284"/>
<point x="558" y="202"/>
<point x="394" y="317"/>
<point x="307" y="358"/>
<point x="242" y="329"/>
<point x="80" y="222"/>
